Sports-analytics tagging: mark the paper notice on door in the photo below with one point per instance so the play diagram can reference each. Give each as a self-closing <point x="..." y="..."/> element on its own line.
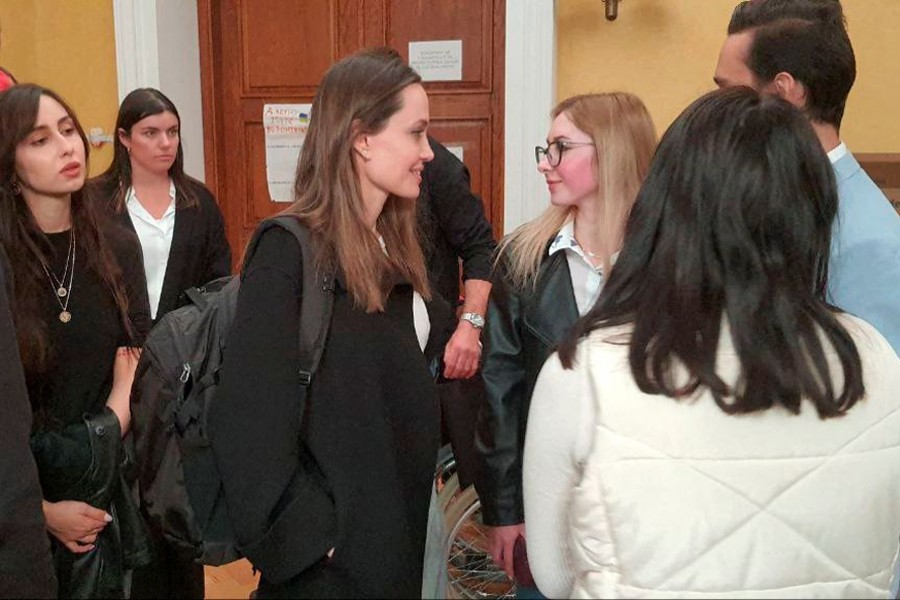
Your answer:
<point x="285" y="128"/>
<point x="437" y="60"/>
<point x="457" y="151"/>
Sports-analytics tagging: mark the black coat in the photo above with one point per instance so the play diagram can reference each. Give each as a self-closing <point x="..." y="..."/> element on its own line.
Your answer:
<point x="523" y="329"/>
<point x="25" y="567"/>
<point x="452" y="225"/>
<point x="123" y="544"/>
<point x="355" y="471"/>
<point x="199" y="252"/>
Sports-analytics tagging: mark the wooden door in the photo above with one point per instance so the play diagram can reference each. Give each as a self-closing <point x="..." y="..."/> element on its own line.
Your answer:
<point x="257" y="52"/>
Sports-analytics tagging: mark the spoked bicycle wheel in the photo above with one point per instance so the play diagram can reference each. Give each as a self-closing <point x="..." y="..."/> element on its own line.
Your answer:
<point x="471" y="573"/>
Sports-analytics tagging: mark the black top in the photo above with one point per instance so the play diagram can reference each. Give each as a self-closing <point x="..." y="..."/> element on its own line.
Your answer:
<point x="357" y="475"/>
<point x="199" y="251"/>
<point x="452" y="224"/>
<point x="25" y="567"/>
<point x="82" y="351"/>
<point x="75" y="457"/>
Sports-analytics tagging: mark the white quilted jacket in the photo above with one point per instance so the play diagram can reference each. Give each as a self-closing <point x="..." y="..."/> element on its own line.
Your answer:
<point x="669" y="499"/>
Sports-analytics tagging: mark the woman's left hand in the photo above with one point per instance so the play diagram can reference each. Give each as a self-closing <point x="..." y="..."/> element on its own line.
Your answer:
<point x="75" y="524"/>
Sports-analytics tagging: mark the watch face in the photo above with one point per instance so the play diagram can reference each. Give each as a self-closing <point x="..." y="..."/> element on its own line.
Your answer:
<point x="474" y="318"/>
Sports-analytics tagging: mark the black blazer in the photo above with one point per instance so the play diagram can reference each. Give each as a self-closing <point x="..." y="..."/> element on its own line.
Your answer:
<point x="452" y="225"/>
<point x="26" y="570"/>
<point x="199" y="252"/>
<point x="523" y="329"/>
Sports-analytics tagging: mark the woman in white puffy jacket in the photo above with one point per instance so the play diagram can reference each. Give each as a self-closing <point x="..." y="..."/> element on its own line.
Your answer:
<point x="726" y="432"/>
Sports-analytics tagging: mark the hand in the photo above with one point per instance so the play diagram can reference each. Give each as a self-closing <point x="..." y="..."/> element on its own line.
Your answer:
<point x="75" y="524"/>
<point x="125" y="365"/>
<point x="119" y="400"/>
<point x="501" y="541"/>
<point x="463" y="352"/>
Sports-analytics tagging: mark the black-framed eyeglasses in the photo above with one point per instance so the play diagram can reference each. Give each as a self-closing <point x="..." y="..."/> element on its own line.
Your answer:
<point x="554" y="151"/>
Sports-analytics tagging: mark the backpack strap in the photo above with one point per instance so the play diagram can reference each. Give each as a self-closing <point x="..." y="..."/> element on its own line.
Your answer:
<point x="318" y="294"/>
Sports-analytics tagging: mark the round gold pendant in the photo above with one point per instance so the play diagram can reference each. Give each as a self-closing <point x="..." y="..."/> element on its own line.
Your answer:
<point x="65" y="316"/>
<point x="61" y="292"/>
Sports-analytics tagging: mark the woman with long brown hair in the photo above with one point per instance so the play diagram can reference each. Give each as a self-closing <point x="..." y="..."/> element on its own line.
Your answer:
<point x="330" y="499"/>
<point x="549" y="271"/>
<point x="81" y="313"/>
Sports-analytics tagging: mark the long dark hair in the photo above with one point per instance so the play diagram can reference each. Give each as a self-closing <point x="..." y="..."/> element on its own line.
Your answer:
<point x="24" y="241"/>
<point x="733" y="224"/>
<point x="358" y="94"/>
<point x="138" y="105"/>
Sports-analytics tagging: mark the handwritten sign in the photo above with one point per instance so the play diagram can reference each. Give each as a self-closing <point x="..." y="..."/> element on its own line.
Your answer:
<point x="285" y="128"/>
<point x="437" y="60"/>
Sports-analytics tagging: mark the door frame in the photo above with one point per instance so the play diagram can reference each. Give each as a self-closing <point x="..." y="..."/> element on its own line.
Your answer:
<point x="529" y="71"/>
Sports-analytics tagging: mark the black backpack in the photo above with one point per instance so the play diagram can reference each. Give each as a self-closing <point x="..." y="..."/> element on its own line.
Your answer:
<point x="175" y="384"/>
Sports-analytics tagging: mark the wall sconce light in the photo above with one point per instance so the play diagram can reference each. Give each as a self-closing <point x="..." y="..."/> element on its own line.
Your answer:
<point x="612" y="9"/>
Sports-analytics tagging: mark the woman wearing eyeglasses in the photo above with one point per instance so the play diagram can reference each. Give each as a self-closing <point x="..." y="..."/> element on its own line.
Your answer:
<point x="549" y="272"/>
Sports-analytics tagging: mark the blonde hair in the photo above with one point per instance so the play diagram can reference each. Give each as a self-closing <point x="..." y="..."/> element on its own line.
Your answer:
<point x="624" y="138"/>
<point x="357" y="95"/>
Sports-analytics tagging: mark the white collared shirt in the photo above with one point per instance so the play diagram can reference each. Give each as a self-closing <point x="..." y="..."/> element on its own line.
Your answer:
<point x="155" y="236"/>
<point x="837" y="153"/>
<point x="587" y="280"/>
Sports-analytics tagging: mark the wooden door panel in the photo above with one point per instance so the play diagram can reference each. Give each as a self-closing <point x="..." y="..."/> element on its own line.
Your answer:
<point x="287" y="46"/>
<point x="257" y="52"/>
<point x="473" y="136"/>
<point x="466" y="20"/>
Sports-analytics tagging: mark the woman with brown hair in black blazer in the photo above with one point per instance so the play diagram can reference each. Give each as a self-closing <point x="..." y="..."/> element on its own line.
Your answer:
<point x="182" y="237"/>
<point x="175" y="216"/>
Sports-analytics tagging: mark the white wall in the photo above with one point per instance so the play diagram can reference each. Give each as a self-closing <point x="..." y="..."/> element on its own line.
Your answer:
<point x="157" y="45"/>
<point x="179" y="74"/>
<point x="530" y="89"/>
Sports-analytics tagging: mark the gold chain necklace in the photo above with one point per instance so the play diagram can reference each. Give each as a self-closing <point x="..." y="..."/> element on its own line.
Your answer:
<point x="61" y="292"/>
<point x="59" y="281"/>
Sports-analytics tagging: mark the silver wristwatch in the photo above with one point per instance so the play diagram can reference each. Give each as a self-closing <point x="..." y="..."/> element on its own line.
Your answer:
<point x="475" y="319"/>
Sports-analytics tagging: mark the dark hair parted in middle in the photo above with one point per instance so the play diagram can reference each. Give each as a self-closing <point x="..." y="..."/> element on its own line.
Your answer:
<point x="732" y="229"/>
<point x="358" y="95"/>
<point x="806" y="38"/>
<point x="24" y="241"/>
<point x="138" y="105"/>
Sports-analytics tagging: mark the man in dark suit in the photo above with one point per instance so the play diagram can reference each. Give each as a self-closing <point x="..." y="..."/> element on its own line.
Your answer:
<point x="453" y="230"/>
<point x="26" y="570"/>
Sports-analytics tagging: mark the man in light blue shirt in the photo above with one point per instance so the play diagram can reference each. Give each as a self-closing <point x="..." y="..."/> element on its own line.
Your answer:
<point x="800" y="51"/>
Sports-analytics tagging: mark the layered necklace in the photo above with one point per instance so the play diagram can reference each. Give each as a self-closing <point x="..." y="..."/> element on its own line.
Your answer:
<point x="61" y="291"/>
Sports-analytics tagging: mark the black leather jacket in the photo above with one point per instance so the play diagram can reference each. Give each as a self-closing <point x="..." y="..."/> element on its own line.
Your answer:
<point x="523" y="328"/>
<point x="85" y="462"/>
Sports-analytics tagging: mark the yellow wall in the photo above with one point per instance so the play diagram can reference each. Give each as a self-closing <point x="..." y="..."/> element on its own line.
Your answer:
<point x="665" y="51"/>
<point x="68" y="46"/>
